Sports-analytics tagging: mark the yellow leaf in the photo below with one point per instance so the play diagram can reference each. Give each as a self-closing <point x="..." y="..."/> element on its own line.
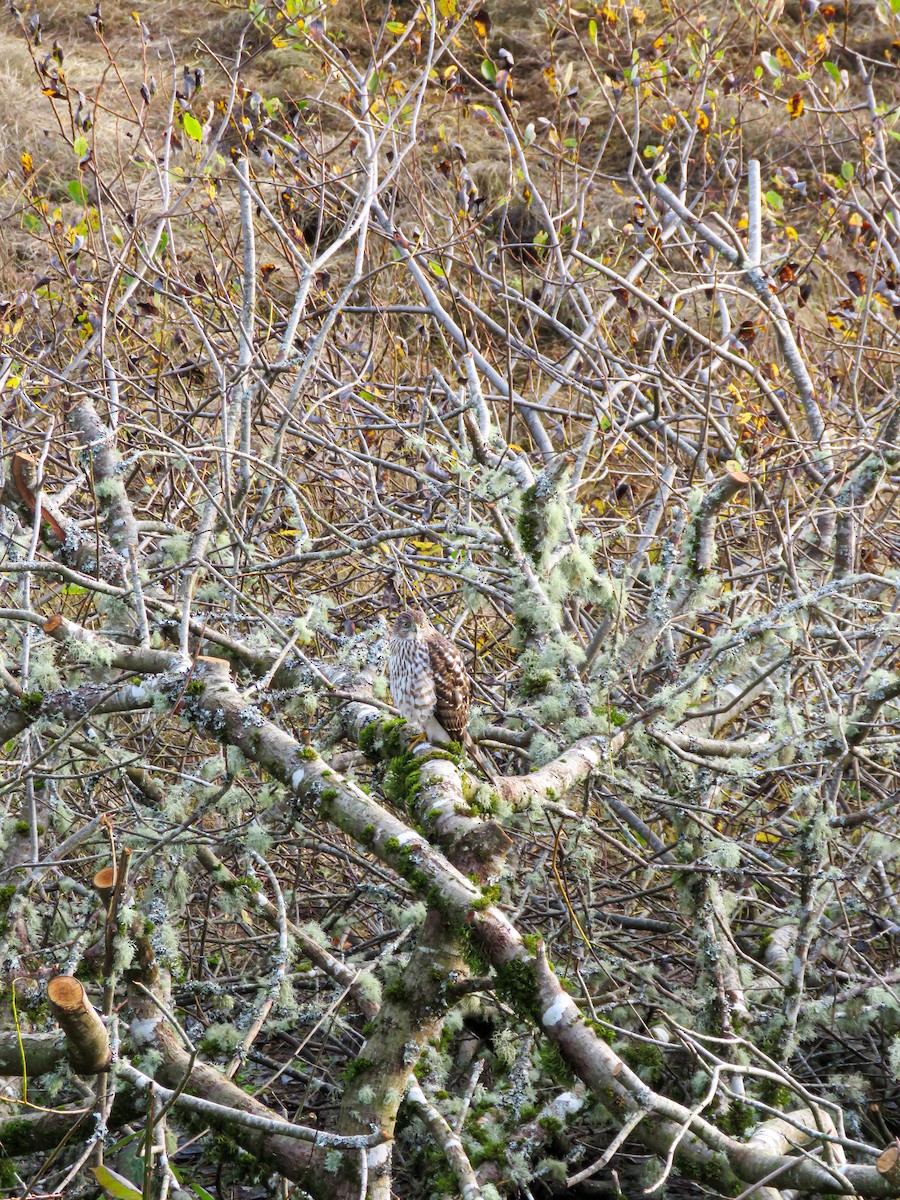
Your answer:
<point x="764" y="836"/>
<point x="116" y="1185"/>
<point x="795" y="106"/>
<point x="27" y="162"/>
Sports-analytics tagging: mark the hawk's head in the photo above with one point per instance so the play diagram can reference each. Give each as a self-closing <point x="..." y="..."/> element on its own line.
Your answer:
<point x="412" y="623"/>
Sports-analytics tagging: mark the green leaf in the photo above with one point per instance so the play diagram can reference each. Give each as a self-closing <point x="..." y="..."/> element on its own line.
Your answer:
<point x="116" y="1185"/>
<point x="74" y="589"/>
<point x="592" y="32"/>
<point x="80" y="147"/>
<point x="395" y="27"/>
<point x="774" y="201"/>
<point x="436" y="268"/>
<point x="192" y="127"/>
<point x="488" y="70"/>
<point x="771" y="63"/>
<point x="847" y="171"/>
<point x="833" y="70"/>
<point x="77" y="192"/>
<point x="200" y="1192"/>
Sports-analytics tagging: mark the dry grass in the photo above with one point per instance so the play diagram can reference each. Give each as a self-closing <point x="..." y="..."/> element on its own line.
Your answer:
<point x="563" y="74"/>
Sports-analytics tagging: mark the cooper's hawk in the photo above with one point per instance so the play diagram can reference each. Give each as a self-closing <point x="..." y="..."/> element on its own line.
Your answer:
<point x="429" y="680"/>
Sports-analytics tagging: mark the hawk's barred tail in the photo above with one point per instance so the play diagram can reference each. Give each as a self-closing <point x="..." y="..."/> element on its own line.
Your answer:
<point x="480" y="760"/>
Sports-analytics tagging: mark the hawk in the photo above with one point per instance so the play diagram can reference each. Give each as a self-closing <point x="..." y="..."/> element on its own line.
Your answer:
<point x="429" y="680"/>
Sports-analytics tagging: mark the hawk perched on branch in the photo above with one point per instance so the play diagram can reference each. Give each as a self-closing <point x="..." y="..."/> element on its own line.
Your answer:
<point x="429" y="680"/>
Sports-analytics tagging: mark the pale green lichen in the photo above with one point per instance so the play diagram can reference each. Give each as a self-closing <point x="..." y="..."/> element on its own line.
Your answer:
<point x="176" y="548"/>
<point x="221" y="1040"/>
<point x="109" y="489"/>
<point x="333" y="1162"/>
<point x="543" y="749"/>
<point x="42" y="673"/>
<point x="258" y="838"/>
<point x="287" y="1006"/>
<point x="315" y="933"/>
<point x="369" y="986"/>
<point x="412" y="915"/>
<point x="894" y="1058"/>
<point x="124" y="951"/>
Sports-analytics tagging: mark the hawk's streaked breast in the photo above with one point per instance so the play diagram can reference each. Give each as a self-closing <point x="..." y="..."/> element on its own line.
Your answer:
<point x="411" y="679"/>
